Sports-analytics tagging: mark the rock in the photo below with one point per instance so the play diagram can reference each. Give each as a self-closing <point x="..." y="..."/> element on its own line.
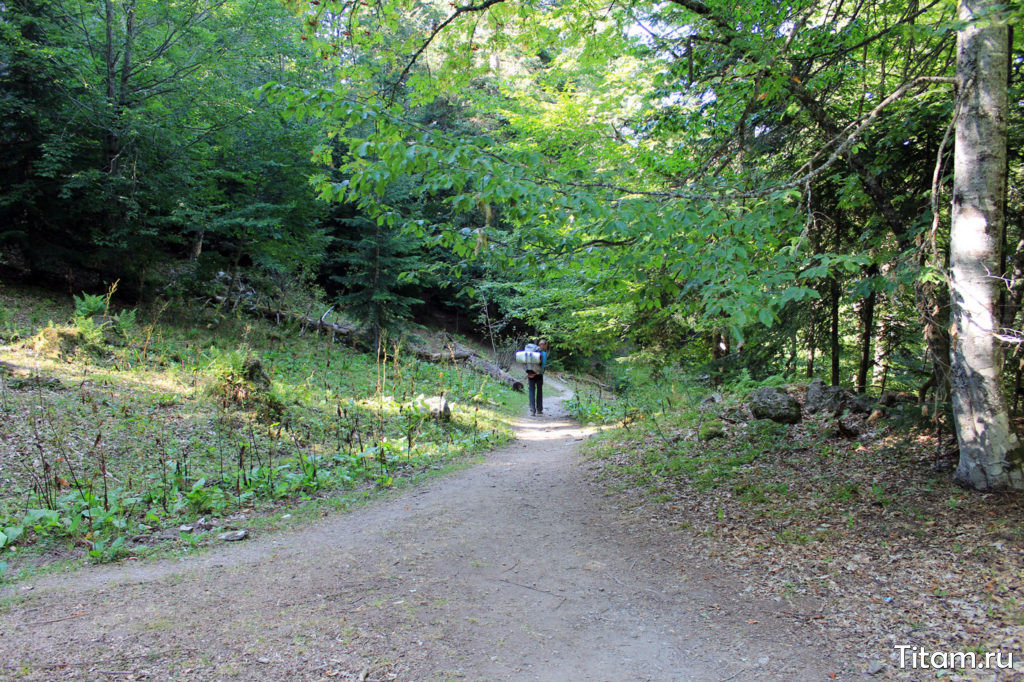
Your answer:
<point x="437" y="407"/>
<point x="850" y="426"/>
<point x="775" y="404"/>
<point x="200" y="525"/>
<point x="440" y="408"/>
<point x="711" y="430"/>
<point x="233" y="535"/>
<point x="861" y="403"/>
<point x="712" y="399"/>
<point x="875" y="667"/>
<point x="57" y="342"/>
<point x="733" y="414"/>
<point x="821" y="397"/>
<point x="14" y="371"/>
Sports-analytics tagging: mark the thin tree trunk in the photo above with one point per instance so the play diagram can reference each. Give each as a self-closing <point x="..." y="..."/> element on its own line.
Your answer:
<point x="937" y="341"/>
<point x="719" y="345"/>
<point x="834" y="347"/>
<point x="1018" y="387"/>
<point x="110" y="141"/>
<point x="991" y="455"/>
<point x="881" y="363"/>
<point x="867" y="332"/>
<point x="811" y="345"/>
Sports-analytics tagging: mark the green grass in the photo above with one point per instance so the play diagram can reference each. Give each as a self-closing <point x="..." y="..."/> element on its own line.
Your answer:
<point x="162" y="426"/>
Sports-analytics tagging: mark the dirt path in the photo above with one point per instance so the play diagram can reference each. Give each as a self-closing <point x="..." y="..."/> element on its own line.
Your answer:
<point x="516" y="569"/>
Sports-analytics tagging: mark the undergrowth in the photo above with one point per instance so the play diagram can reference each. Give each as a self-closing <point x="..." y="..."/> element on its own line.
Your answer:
<point x="143" y="421"/>
<point x="872" y="525"/>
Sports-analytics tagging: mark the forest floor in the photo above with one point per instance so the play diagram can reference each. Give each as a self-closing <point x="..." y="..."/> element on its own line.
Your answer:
<point x="518" y="568"/>
<point x="897" y="557"/>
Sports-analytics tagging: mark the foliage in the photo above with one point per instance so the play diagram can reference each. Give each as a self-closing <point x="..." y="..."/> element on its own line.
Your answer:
<point x="89" y="305"/>
<point x="610" y="179"/>
<point x="757" y="192"/>
<point x="372" y="263"/>
<point x="184" y="421"/>
<point x="153" y="144"/>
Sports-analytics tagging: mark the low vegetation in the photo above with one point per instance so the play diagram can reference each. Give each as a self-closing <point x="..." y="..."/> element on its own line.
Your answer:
<point x="120" y="427"/>
<point x="866" y="537"/>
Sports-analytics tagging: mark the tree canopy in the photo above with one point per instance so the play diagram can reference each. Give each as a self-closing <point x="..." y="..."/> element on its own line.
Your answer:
<point x="749" y="187"/>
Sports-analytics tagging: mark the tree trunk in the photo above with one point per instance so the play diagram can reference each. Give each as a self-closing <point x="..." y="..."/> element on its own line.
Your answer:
<point x="811" y="345"/>
<point x="882" y="348"/>
<point x="867" y="331"/>
<point x="1018" y="388"/>
<point x="936" y="335"/>
<point x="833" y="332"/>
<point x="991" y="455"/>
<point x="719" y="345"/>
<point x="111" y="149"/>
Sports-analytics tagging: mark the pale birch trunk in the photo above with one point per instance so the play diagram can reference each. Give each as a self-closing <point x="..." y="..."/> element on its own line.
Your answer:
<point x="990" y="452"/>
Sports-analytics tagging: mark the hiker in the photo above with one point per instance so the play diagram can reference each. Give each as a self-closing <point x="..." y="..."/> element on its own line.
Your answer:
<point x="535" y="378"/>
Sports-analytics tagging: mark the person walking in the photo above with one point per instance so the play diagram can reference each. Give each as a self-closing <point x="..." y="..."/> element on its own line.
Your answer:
<point x="535" y="379"/>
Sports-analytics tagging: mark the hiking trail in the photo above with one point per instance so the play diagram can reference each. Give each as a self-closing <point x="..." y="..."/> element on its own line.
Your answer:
<point x="517" y="568"/>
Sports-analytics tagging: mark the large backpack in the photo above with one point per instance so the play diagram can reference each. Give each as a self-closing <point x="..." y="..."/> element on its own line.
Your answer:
<point x="530" y="357"/>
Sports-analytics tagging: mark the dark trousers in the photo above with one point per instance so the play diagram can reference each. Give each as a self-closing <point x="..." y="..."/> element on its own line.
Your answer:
<point x="536" y="392"/>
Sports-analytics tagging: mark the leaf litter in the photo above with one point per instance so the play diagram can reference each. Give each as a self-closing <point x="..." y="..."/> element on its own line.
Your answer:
<point x="891" y="551"/>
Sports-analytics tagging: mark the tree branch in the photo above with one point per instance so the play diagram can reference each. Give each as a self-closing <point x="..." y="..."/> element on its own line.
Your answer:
<point x="459" y="11"/>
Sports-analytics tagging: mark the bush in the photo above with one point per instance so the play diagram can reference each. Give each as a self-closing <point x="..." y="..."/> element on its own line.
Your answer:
<point x="89" y="305"/>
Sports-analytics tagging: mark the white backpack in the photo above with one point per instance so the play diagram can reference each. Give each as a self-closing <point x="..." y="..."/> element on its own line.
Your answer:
<point x="530" y="357"/>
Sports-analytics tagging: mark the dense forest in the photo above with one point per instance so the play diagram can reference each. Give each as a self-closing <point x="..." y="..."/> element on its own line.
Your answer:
<point x="822" y="188"/>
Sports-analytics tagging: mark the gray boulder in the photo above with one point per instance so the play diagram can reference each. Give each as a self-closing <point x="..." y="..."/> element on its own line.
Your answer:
<point x="233" y="535"/>
<point x="829" y="398"/>
<point x="711" y="400"/>
<point x="775" y="404"/>
<point x="862" y="404"/>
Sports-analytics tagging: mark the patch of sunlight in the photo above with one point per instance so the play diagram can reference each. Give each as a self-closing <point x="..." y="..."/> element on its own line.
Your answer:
<point x="536" y="429"/>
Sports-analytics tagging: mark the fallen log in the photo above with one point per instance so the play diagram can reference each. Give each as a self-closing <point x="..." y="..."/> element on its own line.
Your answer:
<point x="321" y="325"/>
<point x="454" y="353"/>
<point x="587" y="380"/>
<point x="495" y="372"/>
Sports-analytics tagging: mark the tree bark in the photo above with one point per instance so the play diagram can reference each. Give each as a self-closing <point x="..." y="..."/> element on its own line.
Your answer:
<point x="833" y="332"/>
<point x="811" y="344"/>
<point x="719" y="344"/>
<point x="991" y="455"/>
<point x="881" y="364"/>
<point x="867" y="332"/>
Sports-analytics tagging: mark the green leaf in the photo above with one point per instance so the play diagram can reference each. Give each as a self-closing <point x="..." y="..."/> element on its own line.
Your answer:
<point x="12" y="533"/>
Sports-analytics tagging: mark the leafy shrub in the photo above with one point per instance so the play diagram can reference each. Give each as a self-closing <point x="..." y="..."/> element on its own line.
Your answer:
<point x="125" y="322"/>
<point x="90" y="333"/>
<point x="89" y="305"/>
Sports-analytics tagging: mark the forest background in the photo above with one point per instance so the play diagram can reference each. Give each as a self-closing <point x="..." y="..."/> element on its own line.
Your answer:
<point x="763" y="189"/>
